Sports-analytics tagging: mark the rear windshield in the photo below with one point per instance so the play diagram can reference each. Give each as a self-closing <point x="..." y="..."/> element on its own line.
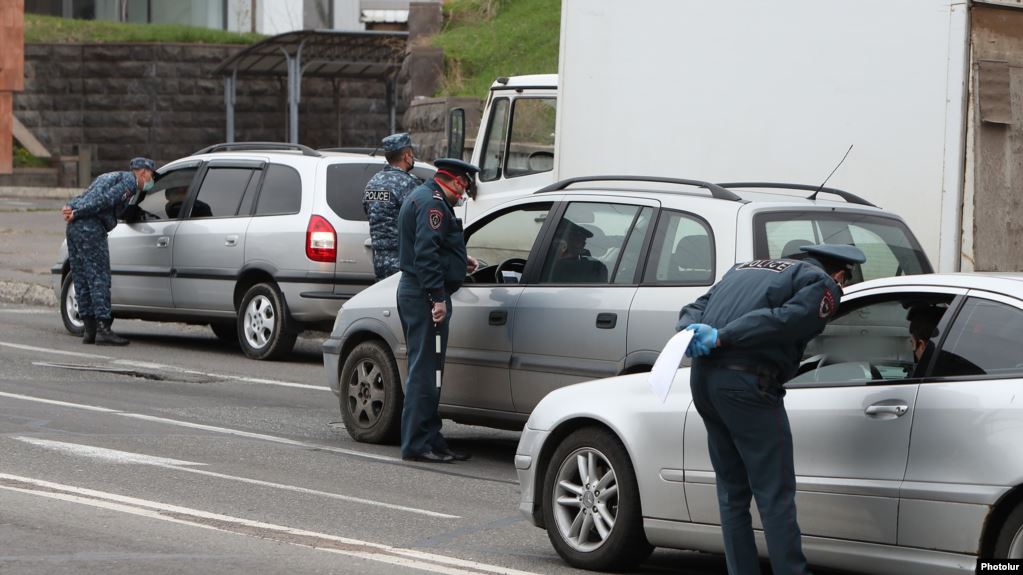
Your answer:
<point x="347" y="182"/>
<point x="890" y="247"/>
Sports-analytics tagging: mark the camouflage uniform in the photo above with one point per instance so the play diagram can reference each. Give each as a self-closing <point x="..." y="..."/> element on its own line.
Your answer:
<point x="382" y="199"/>
<point x="95" y="214"/>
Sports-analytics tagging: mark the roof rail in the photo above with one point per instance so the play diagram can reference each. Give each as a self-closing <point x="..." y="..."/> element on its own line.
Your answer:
<point x="716" y="190"/>
<point x="847" y="196"/>
<point x="350" y="150"/>
<point x="252" y="146"/>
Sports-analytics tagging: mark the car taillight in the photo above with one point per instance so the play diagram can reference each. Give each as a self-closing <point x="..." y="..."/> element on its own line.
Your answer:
<point x="320" y="240"/>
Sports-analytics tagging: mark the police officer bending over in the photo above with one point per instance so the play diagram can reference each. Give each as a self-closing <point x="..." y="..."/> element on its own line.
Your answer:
<point x="751" y="330"/>
<point x="89" y="217"/>
<point x="382" y="199"/>
<point x="433" y="264"/>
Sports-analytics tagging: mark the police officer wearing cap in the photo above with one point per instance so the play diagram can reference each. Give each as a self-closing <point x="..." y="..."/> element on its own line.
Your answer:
<point x="433" y="263"/>
<point x="90" y="216"/>
<point x="382" y="199"/>
<point x="750" y="332"/>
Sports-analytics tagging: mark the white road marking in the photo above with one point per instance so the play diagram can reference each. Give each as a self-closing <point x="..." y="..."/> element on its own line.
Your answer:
<point x="204" y="427"/>
<point x="430" y="562"/>
<point x="166" y="367"/>
<point x="126" y="457"/>
<point x="49" y="350"/>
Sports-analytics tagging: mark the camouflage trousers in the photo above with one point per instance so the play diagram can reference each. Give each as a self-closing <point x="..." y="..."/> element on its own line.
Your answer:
<point x="385" y="263"/>
<point x="89" y="257"/>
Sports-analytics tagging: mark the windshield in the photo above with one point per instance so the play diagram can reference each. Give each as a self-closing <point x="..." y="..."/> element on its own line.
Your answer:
<point x="890" y="247"/>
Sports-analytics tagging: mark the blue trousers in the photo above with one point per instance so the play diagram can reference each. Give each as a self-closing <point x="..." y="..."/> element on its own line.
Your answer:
<point x="420" y="421"/>
<point x="89" y="257"/>
<point x="750" y="446"/>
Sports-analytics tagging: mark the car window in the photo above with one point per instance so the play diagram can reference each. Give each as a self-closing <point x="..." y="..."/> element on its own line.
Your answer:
<point x="984" y="340"/>
<point x="509" y="235"/>
<point x="869" y="341"/>
<point x="221" y="192"/>
<point x="281" y="192"/>
<point x="682" y="251"/>
<point x="493" y="145"/>
<point x="164" y="201"/>
<point x="347" y="182"/>
<point x="890" y="247"/>
<point x="531" y="141"/>
<point x="587" y="243"/>
<point x="629" y="262"/>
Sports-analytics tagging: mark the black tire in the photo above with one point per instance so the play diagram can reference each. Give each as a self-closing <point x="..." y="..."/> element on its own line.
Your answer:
<point x="1009" y="544"/>
<point x="226" y="331"/>
<point x="265" y="331"/>
<point x="624" y="545"/>
<point x="371" y="395"/>
<point x="69" y="307"/>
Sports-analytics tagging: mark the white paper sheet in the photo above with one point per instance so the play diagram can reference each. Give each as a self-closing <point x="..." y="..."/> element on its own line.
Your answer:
<point x="666" y="366"/>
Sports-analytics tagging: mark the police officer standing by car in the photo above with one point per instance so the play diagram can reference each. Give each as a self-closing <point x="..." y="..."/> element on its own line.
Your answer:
<point x="750" y="332"/>
<point x="433" y="263"/>
<point x="382" y="199"/>
<point x="90" y="216"/>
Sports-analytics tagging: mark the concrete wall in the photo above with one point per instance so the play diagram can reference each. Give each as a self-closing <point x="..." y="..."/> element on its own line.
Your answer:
<point x="162" y="101"/>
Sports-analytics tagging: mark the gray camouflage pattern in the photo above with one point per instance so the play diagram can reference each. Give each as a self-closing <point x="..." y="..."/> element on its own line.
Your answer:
<point x="96" y="212"/>
<point x="381" y="200"/>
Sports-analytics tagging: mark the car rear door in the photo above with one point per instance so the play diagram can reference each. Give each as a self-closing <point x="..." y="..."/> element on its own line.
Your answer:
<point x="141" y="250"/>
<point x="209" y="247"/>
<point x="573" y="316"/>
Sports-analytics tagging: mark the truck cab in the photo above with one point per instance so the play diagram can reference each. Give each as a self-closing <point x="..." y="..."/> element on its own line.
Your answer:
<point x="515" y="145"/>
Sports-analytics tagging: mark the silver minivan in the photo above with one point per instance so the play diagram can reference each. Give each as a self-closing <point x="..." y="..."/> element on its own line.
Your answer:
<point x="530" y="321"/>
<point x="258" y="240"/>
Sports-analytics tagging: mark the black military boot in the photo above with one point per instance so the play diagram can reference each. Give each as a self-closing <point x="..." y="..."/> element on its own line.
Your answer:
<point x="89" y="336"/>
<point x="106" y="337"/>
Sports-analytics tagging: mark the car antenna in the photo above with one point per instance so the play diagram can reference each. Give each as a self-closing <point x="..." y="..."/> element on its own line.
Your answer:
<point x="373" y="154"/>
<point x="813" y="196"/>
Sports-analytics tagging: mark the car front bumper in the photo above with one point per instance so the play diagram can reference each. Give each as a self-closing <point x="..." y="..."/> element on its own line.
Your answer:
<point x="527" y="459"/>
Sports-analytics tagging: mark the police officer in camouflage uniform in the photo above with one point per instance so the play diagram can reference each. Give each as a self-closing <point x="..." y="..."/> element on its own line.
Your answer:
<point x="433" y="265"/>
<point x="750" y="332"/>
<point x="382" y="199"/>
<point x="89" y="217"/>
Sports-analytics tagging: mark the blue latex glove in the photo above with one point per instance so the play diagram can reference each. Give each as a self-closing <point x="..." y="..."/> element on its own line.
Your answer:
<point x="705" y="339"/>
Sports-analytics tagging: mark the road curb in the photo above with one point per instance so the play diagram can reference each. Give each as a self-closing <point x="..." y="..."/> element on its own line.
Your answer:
<point x="30" y="192"/>
<point x="27" y="293"/>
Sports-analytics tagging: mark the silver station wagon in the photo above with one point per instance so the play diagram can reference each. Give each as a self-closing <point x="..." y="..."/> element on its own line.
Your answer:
<point x="584" y="279"/>
<point x="905" y="463"/>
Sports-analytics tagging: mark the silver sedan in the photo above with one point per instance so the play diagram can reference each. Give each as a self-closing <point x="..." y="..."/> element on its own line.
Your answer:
<point x="906" y="462"/>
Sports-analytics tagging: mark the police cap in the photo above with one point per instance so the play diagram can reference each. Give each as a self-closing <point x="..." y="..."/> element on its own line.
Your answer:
<point x="843" y="254"/>
<point x="457" y="166"/>
<point x="574" y="229"/>
<point x="396" y="142"/>
<point x="142" y="163"/>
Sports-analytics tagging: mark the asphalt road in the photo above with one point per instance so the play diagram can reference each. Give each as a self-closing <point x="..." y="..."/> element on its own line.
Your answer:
<point x="176" y="454"/>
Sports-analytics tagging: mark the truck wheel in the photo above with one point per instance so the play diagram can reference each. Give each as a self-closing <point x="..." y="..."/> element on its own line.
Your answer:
<point x="69" y="307"/>
<point x="1009" y="544"/>
<point x="264" y="329"/>
<point x="591" y="503"/>
<point x="371" y="395"/>
<point x="226" y="331"/>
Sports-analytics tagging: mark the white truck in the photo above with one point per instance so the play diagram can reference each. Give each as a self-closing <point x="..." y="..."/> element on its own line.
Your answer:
<point x="929" y="94"/>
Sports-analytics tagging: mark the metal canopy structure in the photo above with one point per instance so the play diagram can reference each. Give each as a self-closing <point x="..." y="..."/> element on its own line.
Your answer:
<point x="318" y="54"/>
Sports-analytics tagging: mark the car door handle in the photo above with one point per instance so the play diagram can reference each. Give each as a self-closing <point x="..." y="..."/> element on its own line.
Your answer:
<point x="162" y="242"/>
<point x="231" y="241"/>
<point x="499" y="317"/>
<point x="368" y="244"/>
<point x="896" y="409"/>
<point x="607" y="320"/>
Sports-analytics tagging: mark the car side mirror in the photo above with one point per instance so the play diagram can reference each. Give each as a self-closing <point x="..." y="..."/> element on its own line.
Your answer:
<point x="456" y="133"/>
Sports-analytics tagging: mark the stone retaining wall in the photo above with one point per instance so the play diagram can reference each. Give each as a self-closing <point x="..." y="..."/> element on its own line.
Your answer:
<point x="160" y="100"/>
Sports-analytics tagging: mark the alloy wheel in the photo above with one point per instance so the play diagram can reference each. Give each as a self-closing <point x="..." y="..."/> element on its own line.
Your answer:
<point x="586" y="499"/>
<point x="260" y="318"/>
<point x="366" y="393"/>
<point x="71" y="308"/>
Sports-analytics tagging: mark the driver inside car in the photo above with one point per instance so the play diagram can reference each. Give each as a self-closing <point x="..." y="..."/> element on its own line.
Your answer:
<point x="574" y="263"/>
<point x="923" y="324"/>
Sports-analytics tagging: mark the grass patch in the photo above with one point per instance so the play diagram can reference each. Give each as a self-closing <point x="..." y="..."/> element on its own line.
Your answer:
<point x="52" y="29"/>
<point x="484" y="39"/>
<point x="23" y="159"/>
